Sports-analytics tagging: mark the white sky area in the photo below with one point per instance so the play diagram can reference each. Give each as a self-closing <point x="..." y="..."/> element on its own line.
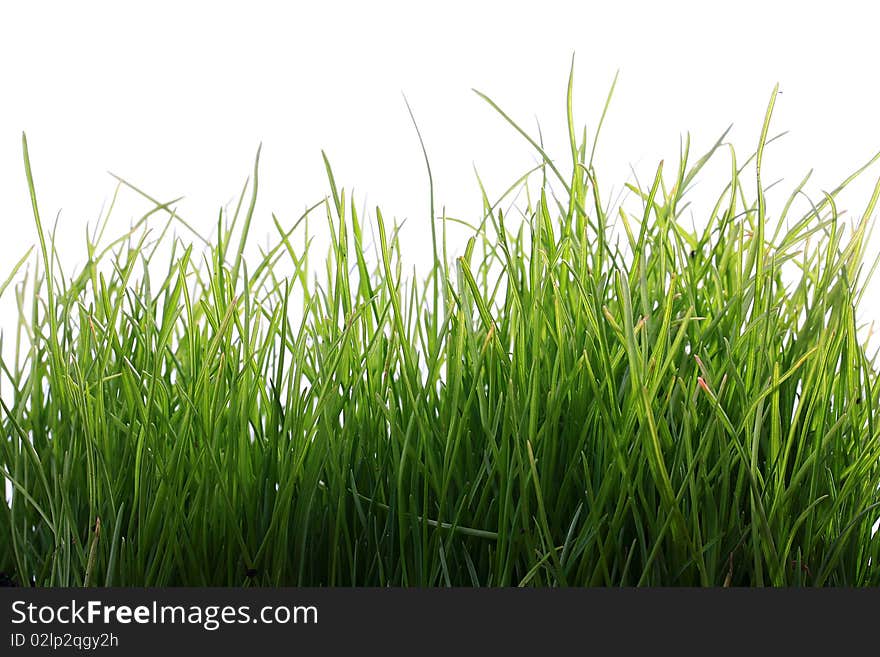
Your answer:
<point x="176" y="97"/>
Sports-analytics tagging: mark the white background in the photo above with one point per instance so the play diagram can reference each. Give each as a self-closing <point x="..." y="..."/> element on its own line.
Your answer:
<point x="177" y="96"/>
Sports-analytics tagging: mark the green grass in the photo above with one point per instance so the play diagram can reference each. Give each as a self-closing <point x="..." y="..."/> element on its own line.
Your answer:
<point x="579" y="399"/>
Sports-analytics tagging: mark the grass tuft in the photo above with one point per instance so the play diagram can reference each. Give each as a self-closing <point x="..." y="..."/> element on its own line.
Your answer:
<point x="582" y="398"/>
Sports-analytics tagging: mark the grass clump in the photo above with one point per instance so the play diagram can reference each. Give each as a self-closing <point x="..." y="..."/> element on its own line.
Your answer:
<point x="579" y="399"/>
